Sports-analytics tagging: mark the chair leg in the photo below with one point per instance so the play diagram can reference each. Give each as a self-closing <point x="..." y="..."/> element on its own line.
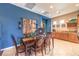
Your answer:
<point x="1" y="53"/>
<point x="35" y="52"/>
<point x="42" y="50"/>
<point x="30" y="51"/>
<point x="45" y="48"/>
<point x="25" y="52"/>
<point x="52" y="42"/>
<point x="16" y="54"/>
<point x="49" y="45"/>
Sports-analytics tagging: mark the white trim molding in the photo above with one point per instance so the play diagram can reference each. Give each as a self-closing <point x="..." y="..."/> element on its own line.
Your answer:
<point x="8" y="48"/>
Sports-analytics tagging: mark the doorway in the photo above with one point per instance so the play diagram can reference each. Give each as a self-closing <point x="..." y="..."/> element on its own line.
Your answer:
<point x="44" y="25"/>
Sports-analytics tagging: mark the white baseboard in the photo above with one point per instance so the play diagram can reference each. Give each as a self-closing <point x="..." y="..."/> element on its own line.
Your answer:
<point x="8" y="48"/>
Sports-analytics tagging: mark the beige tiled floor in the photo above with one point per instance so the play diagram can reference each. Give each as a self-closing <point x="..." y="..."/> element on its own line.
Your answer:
<point x="65" y="48"/>
<point x="61" y="48"/>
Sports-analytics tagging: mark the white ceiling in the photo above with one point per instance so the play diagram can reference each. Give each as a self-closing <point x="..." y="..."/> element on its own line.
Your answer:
<point x="44" y="8"/>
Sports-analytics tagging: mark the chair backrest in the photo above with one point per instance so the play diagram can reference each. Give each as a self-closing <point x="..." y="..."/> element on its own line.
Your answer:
<point x="39" y="31"/>
<point x="40" y="42"/>
<point x="49" y="34"/>
<point x="39" y="36"/>
<point x="14" y="41"/>
<point x="48" y="37"/>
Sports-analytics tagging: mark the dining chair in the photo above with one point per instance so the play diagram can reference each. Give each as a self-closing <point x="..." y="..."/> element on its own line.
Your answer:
<point x="39" y="41"/>
<point x="47" y="41"/>
<point x="38" y="46"/>
<point x="19" y="49"/>
<point x="52" y="36"/>
<point x="28" y="44"/>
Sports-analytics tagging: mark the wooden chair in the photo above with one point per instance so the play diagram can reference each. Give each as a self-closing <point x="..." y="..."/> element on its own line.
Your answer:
<point x="52" y="36"/>
<point x="47" y="41"/>
<point x="38" y="46"/>
<point x="39" y="31"/>
<point x="19" y="49"/>
<point x="28" y="44"/>
<point x="39" y="41"/>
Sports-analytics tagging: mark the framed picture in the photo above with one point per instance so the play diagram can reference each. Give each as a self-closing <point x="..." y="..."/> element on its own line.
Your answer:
<point x="29" y="25"/>
<point x="63" y="25"/>
<point x="58" y="25"/>
<point x="53" y="26"/>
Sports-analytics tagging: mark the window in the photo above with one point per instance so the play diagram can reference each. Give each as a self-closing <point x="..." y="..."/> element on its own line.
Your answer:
<point x="62" y="23"/>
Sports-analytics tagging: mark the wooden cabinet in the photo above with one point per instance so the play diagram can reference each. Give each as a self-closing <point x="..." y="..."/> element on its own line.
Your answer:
<point x="72" y="37"/>
<point x="65" y="36"/>
<point x="71" y="24"/>
<point x="78" y="25"/>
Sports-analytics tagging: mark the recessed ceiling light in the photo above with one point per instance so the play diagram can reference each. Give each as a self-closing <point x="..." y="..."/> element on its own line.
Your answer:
<point x="62" y="21"/>
<point x="57" y="12"/>
<point x="42" y="11"/>
<point x="51" y="6"/>
<point x="77" y="5"/>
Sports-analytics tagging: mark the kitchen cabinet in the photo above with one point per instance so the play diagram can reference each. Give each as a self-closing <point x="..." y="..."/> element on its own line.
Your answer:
<point x="67" y="36"/>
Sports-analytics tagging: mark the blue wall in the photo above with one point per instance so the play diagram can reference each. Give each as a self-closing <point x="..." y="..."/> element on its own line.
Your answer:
<point x="47" y="22"/>
<point x="10" y="15"/>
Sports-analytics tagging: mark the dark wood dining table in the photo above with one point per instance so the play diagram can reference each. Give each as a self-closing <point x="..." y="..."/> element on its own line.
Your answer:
<point x="28" y="40"/>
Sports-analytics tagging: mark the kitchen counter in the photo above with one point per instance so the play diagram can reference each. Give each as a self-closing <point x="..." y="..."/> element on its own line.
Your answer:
<point x="68" y="36"/>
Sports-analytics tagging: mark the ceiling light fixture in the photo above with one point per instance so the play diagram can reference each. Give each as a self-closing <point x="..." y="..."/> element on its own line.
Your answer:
<point x="42" y="11"/>
<point x="51" y="6"/>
